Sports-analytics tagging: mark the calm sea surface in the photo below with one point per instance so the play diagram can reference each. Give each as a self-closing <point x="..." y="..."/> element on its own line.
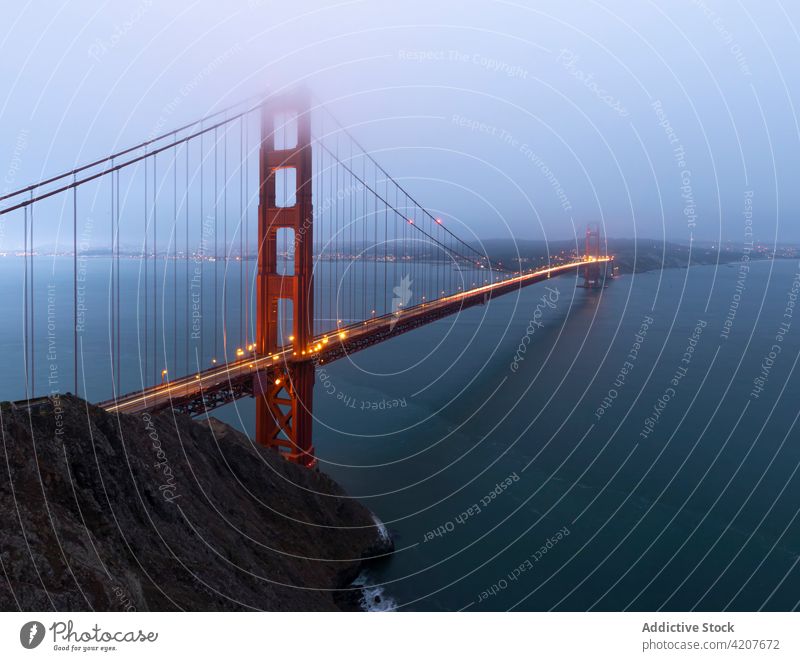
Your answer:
<point x="631" y="448"/>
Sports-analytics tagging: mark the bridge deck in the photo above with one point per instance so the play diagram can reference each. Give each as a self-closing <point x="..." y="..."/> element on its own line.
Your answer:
<point x="220" y="385"/>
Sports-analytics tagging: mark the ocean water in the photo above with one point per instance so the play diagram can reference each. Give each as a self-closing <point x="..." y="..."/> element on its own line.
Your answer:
<point x="633" y="448"/>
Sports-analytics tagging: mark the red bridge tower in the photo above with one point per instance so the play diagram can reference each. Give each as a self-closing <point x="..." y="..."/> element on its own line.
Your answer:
<point x="284" y="398"/>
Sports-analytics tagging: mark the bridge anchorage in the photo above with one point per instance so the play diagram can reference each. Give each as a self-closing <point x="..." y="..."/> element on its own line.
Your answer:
<point x="197" y="312"/>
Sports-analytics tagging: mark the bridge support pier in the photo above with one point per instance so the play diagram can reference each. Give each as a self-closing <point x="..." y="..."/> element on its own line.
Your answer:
<point x="284" y="398"/>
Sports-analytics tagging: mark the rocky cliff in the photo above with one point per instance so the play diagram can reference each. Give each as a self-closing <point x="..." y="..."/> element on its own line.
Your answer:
<point x="108" y="512"/>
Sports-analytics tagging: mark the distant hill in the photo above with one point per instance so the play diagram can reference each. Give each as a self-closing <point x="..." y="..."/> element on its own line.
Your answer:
<point x="630" y="254"/>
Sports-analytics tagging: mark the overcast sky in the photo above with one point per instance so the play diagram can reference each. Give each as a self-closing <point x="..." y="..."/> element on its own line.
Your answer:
<point x="524" y="119"/>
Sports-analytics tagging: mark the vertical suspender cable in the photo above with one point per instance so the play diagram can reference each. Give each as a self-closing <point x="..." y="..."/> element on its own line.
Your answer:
<point x="119" y="347"/>
<point x="332" y="210"/>
<point x="335" y="281"/>
<point x="386" y="307"/>
<point x="202" y="250"/>
<point x="363" y="250"/>
<point x="318" y="220"/>
<point x="188" y="293"/>
<point x="241" y="231"/>
<point x="225" y="243"/>
<point x="155" y="269"/>
<point x="414" y="248"/>
<point x="436" y="263"/>
<point x="26" y="339"/>
<point x="398" y="247"/>
<point x="111" y="285"/>
<point x="143" y="369"/>
<point x="174" y="261"/>
<point x="246" y="233"/>
<point x="347" y="229"/>
<point x="405" y="235"/>
<point x="33" y="312"/>
<point x="216" y="269"/>
<point x="376" y="230"/>
<point x="75" y="285"/>
<point x="350" y="247"/>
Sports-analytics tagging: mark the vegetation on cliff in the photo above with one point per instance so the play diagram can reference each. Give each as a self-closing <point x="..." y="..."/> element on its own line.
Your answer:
<point x="107" y="512"/>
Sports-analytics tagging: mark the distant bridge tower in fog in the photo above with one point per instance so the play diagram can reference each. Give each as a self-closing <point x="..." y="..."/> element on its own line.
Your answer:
<point x="594" y="272"/>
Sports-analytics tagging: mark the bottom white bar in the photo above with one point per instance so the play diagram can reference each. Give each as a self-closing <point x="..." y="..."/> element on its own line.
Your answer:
<point x="390" y="636"/>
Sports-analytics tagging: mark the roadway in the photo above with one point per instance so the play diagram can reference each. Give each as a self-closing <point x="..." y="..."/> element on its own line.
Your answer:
<point x="229" y="378"/>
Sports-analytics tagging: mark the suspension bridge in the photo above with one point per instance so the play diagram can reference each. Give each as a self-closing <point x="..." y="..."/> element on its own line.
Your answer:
<point x="229" y="258"/>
